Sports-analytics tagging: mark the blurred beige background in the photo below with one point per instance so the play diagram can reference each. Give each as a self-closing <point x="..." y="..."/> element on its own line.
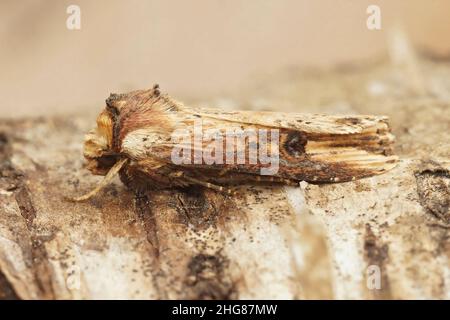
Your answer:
<point x="196" y="48"/>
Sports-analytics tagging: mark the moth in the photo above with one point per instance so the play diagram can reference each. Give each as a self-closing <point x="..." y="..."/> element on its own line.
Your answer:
<point x="154" y="142"/>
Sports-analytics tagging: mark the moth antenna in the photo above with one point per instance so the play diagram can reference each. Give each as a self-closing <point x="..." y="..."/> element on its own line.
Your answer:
<point x="106" y="180"/>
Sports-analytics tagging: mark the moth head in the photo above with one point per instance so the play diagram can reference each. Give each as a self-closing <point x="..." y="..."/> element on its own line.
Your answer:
<point x="98" y="145"/>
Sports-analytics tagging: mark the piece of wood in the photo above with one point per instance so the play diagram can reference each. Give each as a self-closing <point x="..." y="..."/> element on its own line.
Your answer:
<point x="314" y="241"/>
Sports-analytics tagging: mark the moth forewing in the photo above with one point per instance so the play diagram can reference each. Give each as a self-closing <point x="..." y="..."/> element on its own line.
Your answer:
<point x="315" y="148"/>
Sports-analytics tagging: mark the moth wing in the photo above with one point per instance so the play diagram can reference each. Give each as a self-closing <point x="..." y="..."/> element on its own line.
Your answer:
<point x="311" y="123"/>
<point x="336" y="147"/>
<point x="313" y="147"/>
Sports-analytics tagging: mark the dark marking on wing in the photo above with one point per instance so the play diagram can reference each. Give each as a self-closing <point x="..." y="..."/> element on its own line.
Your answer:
<point x="295" y="143"/>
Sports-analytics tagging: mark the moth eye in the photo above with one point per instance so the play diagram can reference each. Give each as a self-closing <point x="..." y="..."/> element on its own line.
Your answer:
<point x="111" y="103"/>
<point x="113" y="110"/>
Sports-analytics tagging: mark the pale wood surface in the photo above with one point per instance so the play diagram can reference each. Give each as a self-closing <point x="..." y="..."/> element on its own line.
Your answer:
<point x="314" y="241"/>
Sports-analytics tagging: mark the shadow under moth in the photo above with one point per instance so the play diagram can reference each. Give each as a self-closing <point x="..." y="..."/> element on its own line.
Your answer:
<point x="155" y="142"/>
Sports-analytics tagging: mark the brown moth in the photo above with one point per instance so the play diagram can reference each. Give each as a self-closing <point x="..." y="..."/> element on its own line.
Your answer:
<point x="150" y="140"/>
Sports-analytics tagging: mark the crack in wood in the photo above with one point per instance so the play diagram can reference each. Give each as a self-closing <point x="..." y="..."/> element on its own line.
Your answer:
<point x="143" y="207"/>
<point x="377" y="254"/>
<point x="13" y="177"/>
<point x="7" y="291"/>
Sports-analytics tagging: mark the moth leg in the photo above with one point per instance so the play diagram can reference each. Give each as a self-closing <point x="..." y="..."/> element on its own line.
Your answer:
<point x="245" y="178"/>
<point x="106" y="180"/>
<point x="223" y="172"/>
<point x="209" y="185"/>
<point x="285" y="181"/>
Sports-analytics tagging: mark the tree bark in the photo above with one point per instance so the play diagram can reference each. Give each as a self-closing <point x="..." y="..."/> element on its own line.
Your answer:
<point x="314" y="241"/>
